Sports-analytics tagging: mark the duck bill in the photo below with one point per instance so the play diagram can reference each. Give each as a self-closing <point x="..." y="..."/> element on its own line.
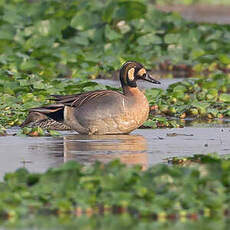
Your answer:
<point x="149" y="78"/>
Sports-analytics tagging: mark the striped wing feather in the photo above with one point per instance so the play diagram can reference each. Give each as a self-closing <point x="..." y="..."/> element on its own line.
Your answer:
<point x="75" y="100"/>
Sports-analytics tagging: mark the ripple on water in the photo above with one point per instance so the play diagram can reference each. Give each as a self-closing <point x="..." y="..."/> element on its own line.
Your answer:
<point x="143" y="146"/>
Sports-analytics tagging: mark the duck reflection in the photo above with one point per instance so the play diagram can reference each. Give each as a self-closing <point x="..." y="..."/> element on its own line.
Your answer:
<point x="130" y="149"/>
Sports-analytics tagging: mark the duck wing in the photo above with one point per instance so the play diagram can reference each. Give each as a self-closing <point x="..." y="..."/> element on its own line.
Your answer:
<point x="79" y="99"/>
<point x="56" y="110"/>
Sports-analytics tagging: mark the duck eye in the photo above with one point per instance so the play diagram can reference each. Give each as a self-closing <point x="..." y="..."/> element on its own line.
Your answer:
<point x="142" y="73"/>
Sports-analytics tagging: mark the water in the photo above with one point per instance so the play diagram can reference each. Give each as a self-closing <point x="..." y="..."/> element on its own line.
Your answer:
<point x="141" y="84"/>
<point x="143" y="146"/>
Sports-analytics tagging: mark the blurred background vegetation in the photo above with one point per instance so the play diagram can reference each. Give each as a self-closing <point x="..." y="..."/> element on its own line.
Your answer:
<point x="85" y="39"/>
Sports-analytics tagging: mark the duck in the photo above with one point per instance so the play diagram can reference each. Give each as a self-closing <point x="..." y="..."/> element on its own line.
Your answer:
<point x="98" y="112"/>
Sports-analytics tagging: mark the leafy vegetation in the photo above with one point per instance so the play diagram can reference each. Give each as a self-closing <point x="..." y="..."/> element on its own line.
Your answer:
<point x="161" y="193"/>
<point x="113" y="222"/>
<point x="202" y="98"/>
<point x="80" y="39"/>
<point x="37" y="132"/>
<point x="43" y="41"/>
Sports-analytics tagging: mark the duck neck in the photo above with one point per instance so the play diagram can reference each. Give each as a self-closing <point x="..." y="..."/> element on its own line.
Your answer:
<point x="128" y="90"/>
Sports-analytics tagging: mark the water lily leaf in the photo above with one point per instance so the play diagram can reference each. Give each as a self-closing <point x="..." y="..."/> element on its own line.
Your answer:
<point x="129" y="10"/>
<point x="225" y="59"/>
<point x="83" y="20"/>
<point x="79" y="21"/>
<point x="12" y="15"/>
<point x="109" y="11"/>
<point x="111" y="34"/>
<point x="39" y="85"/>
<point x="172" y="38"/>
<point x="149" y="39"/>
<point x="197" y="53"/>
<point x="7" y="32"/>
<point x="224" y="97"/>
<point x="54" y="133"/>
<point x="81" y="40"/>
<point x="180" y="88"/>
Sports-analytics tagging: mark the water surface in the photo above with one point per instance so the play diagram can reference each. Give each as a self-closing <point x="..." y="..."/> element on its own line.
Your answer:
<point x="143" y="146"/>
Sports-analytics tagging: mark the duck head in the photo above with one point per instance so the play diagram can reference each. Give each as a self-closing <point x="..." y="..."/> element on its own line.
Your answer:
<point x="132" y="71"/>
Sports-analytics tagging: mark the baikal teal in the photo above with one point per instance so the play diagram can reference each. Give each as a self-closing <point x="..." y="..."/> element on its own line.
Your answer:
<point x="204" y="98"/>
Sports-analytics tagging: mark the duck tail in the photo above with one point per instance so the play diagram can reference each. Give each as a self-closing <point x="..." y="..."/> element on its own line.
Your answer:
<point x="54" y="111"/>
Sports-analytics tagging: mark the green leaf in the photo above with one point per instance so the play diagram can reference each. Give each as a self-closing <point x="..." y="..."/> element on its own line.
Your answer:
<point x="80" y="40"/>
<point x="224" y="97"/>
<point x="54" y="133"/>
<point x="172" y="38"/>
<point x="109" y="11"/>
<point x="149" y="39"/>
<point x="150" y="123"/>
<point x="7" y="32"/>
<point x="84" y="20"/>
<point x="129" y="10"/>
<point x="39" y="85"/>
<point x="225" y="59"/>
<point x="111" y="34"/>
<point x="79" y="21"/>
